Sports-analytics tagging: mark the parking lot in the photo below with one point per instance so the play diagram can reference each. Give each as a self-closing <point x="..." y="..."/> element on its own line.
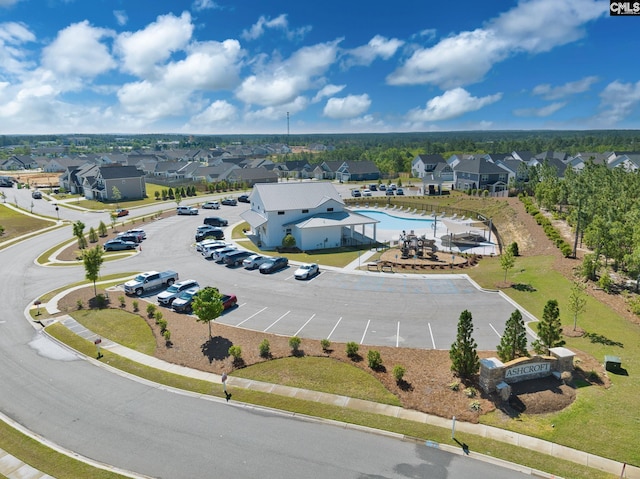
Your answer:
<point x="386" y="309"/>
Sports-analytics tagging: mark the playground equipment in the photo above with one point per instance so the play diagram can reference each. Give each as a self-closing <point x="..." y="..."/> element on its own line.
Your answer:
<point x="414" y="246"/>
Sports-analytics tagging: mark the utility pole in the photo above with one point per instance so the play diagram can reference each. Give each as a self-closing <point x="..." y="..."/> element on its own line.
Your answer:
<point x="288" y="129"/>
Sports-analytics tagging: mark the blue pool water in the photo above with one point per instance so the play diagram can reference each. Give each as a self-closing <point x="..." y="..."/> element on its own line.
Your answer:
<point x="396" y="223"/>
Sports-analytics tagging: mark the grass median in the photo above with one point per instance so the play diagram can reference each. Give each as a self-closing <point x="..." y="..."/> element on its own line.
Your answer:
<point x="415" y="430"/>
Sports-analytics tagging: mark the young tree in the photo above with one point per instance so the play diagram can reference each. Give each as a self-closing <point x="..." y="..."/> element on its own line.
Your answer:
<point x="549" y="329"/>
<point x="102" y="229"/>
<point x="513" y="343"/>
<point x="207" y="305"/>
<point x="78" y="232"/>
<point x="116" y="195"/>
<point x="464" y="356"/>
<point x="577" y="301"/>
<point x="93" y="236"/>
<point x="507" y="261"/>
<point x="92" y="259"/>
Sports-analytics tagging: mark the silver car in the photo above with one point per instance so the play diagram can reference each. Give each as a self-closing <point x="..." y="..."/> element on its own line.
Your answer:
<point x="172" y="292"/>
<point x="219" y="254"/>
<point x="254" y="261"/>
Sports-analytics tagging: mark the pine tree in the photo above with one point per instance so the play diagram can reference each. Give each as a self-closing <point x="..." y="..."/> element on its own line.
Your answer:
<point x="549" y="329"/>
<point x="514" y="340"/>
<point x="464" y="357"/>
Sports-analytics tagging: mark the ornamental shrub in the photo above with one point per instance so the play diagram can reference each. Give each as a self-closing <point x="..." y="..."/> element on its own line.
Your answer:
<point x="264" y="348"/>
<point x="398" y="373"/>
<point x="352" y="349"/>
<point x="374" y="359"/>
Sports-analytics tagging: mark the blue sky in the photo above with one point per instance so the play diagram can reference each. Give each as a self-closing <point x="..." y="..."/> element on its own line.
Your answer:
<point x="222" y="67"/>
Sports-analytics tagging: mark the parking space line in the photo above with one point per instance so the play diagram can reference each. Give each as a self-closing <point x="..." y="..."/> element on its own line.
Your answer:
<point x="494" y="330"/>
<point x="268" y="327"/>
<point x="365" y="331"/>
<point x="433" y="341"/>
<point x="334" y="328"/>
<point x="254" y="314"/>
<point x="302" y="327"/>
<point x="398" y="335"/>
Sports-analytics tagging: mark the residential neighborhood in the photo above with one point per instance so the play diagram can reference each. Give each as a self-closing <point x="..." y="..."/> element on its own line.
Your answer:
<point x="93" y="175"/>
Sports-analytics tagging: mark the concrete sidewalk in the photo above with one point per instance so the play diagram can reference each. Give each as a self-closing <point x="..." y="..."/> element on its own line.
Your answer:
<point x="509" y="437"/>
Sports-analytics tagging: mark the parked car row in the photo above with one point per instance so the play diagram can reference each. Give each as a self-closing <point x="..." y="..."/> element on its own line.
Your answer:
<point x="183" y="301"/>
<point x="180" y="296"/>
<point x="124" y="241"/>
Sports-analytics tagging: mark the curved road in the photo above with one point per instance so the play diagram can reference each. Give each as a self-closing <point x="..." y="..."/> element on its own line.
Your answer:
<point x="141" y="427"/>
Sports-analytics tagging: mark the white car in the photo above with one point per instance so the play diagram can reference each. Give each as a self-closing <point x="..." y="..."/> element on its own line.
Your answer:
<point x="138" y="231"/>
<point x="186" y="210"/>
<point x="366" y="192"/>
<point x="219" y="254"/>
<point x="172" y="292"/>
<point x="254" y="261"/>
<point x="211" y="205"/>
<point x="306" y="271"/>
<point x="210" y="250"/>
<point x="201" y="245"/>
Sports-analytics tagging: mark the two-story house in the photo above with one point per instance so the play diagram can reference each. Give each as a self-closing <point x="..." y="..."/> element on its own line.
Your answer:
<point x="312" y="212"/>
<point x="128" y="180"/>
<point x="480" y="174"/>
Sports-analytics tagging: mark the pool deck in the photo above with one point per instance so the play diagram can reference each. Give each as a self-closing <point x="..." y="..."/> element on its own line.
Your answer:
<point x="393" y="236"/>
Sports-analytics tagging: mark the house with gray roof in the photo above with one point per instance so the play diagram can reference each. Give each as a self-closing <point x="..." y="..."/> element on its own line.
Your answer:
<point x="362" y="170"/>
<point x="423" y="165"/>
<point x="127" y="179"/>
<point x="480" y="174"/>
<point x="312" y="212"/>
<point x="251" y="176"/>
<point x="212" y="174"/>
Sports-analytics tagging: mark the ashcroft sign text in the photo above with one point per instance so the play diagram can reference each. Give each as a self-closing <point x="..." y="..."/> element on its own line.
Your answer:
<point x="526" y="369"/>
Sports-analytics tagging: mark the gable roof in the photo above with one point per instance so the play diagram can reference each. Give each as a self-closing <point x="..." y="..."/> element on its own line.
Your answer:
<point x="479" y="166"/>
<point x="115" y="172"/>
<point x="289" y="196"/>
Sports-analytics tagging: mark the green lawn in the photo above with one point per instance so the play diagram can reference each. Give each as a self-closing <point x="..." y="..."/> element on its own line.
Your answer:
<point x="17" y="224"/>
<point x="320" y="374"/>
<point x="412" y="429"/>
<point x="610" y="411"/>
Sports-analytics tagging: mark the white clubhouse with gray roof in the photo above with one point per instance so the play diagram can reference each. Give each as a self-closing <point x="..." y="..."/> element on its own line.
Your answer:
<point x="312" y="212"/>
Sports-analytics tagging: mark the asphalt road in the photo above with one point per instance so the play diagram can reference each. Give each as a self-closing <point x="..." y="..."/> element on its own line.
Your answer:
<point x="118" y="420"/>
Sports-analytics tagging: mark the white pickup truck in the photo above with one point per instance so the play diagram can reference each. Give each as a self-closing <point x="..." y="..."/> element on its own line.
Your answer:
<point x="150" y="280"/>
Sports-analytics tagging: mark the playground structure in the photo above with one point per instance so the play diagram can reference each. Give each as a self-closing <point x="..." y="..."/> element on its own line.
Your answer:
<point x="413" y="246"/>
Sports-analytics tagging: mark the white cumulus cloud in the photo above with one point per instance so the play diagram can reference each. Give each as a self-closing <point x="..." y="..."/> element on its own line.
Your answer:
<point x="78" y="51"/>
<point x="121" y="17"/>
<point x="378" y="47"/>
<point x="548" y="92"/>
<point x="13" y="55"/>
<point x="143" y="50"/>
<point x="348" y="107"/>
<point x="451" y="104"/>
<point x="282" y="81"/>
<point x="217" y="112"/>
<point x="279" y="23"/>
<point x="326" y="91"/>
<point x="533" y="26"/>
<point x="617" y="101"/>
<point x="199" y="5"/>
<point x="208" y="66"/>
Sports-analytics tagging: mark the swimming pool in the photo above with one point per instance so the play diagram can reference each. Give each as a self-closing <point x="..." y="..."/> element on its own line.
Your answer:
<point x="396" y="223"/>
